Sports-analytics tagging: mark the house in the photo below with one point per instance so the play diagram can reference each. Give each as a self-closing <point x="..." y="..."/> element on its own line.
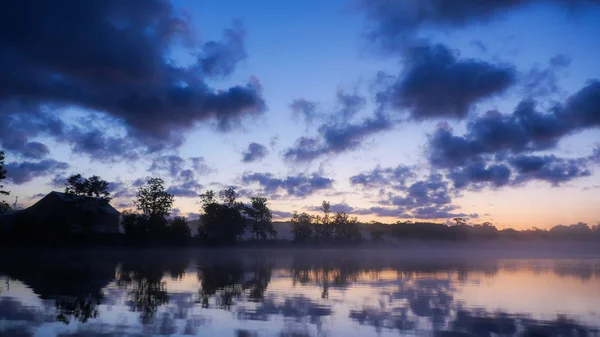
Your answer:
<point x="79" y="213"/>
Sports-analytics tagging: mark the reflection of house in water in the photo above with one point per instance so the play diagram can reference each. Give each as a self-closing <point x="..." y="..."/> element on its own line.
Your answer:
<point x="74" y="283"/>
<point x="79" y="213"/>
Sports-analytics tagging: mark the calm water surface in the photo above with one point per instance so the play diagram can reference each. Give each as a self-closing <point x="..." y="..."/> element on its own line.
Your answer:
<point x="287" y="293"/>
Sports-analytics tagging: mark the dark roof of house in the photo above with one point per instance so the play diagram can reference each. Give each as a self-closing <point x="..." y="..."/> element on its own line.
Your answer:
<point x="98" y="204"/>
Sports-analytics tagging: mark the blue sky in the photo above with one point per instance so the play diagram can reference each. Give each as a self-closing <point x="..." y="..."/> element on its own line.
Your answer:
<point x="384" y="84"/>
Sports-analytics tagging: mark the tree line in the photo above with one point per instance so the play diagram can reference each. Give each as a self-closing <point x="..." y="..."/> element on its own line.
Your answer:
<point x="225" y="219"/>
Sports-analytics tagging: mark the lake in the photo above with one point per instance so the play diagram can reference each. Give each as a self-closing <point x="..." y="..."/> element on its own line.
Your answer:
<point x="284" y="292"/>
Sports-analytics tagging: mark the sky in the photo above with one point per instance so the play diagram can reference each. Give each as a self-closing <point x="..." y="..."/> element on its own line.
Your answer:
<point x="390" y="110"/>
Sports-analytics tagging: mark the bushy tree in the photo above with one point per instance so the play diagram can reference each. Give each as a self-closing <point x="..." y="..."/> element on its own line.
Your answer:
<point x="93" y="186"/>
<point x="346" y="228"/>
<point x="262" y="218"/>
<point x="222" y="222"/>
<point x="324" y="229"/>
<point x="302" y="227"/>
<point x="153" y="200"/>
<point x="3" y="205"/>
<point x="179" y="231"/>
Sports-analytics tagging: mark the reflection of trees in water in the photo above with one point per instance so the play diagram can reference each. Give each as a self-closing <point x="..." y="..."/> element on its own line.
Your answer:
<point x="147" y="290"/>
<point x="81" y="308"/>
<point x="225" y="282"/>
<point x="338" y="274"/>
<point x="431" y="297"/>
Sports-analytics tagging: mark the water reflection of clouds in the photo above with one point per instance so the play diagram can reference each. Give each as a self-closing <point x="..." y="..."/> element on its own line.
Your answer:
<point x="256" y="296"/>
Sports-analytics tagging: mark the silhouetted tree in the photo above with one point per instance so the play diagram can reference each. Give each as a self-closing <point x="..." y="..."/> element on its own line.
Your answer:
<point x="153" y="199"/>
<point x="346" y="228"/>
<point x="262" y="218"/>
<point x="222" y="223"/>
<point x="93" y="186"/>
<point x="178" y="229"/>
<point x="323" y="226"/>
<point x="3" y="205"/>
<point x="302" y="227"/>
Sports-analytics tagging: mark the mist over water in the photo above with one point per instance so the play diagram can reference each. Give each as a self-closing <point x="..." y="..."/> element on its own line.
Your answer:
<point x="424" y="290"/>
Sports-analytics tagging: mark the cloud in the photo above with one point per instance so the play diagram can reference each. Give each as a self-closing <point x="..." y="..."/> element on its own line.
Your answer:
<point x="37" y="196"/>
<point x="436" y="83"/>
<point x="336" y="138"/>
<point x="548" y="168"/>
<point x="255" y="152"/>
<point x="429" y="198"/>
<point x="349" y="104"/>
<point x="395" y="177"/>
<point x="125" y="74"/>
<point x="183" y="173"/>
<point x="479" y="173"/>
<point x="500" y="148"/>
<point x="423" y="193"/>
<point x="172" y="164"/>
<point x="540" y="82"/>
<point x="305" y="109"/>
<point x="337" y="134"/>
<point x="22" y="172"/>
<point x="296" y="186"/>
<point x="175" y="166"/>
<point x="281" y="214"/>
<point x="391" y="24"/>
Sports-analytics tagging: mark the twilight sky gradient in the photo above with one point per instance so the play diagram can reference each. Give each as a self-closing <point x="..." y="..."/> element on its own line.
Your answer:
<point x="389" y="109"/>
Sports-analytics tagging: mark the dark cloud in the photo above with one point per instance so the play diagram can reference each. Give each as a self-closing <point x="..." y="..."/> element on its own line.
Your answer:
<point x="479" y="173"/>
<point x="392" y="23"/>
<point x="434" y="191"/>
<point x="297" y="186"/>
<point x="436" y="83"/>
<point x="126" y="73"/>
<point x="255" y="152"/>
<point x="336" y="138"/>
<point x="499" y="148"/>
<point x="548" y="168"/>
<point x="100" y="146"/>
<point x="394" y="177"/>
<point x="305" y="109"/>
<point x="22" y="172"/>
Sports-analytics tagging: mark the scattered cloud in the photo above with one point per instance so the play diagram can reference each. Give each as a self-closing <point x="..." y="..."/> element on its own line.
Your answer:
<point x="294" y="186"/>
<point x="305" y="109"/>
<point x="22" y="172"/>
<point x="335" y="139"/>
<point x="394" y="177"/>
<point x="255" y="152"/>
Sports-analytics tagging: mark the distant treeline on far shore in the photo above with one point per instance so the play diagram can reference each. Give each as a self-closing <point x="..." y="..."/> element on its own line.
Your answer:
<point x="225" y="220"/>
